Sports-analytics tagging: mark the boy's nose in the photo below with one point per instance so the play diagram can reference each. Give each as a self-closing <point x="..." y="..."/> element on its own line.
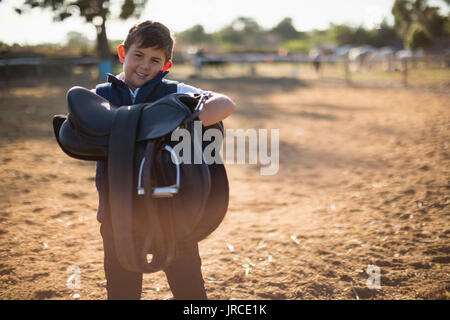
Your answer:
<point x="144" y="65"/>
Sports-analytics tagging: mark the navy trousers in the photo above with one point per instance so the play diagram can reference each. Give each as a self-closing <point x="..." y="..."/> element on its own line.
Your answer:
<point x="183" y="274"/>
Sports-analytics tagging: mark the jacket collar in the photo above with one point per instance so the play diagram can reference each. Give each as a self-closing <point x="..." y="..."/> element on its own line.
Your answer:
<point x="113" y="79"/>
<point x="145" y="91"/>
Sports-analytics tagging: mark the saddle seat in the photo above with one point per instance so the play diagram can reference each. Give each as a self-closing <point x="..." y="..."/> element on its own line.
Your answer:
<point x="92" y="118"/>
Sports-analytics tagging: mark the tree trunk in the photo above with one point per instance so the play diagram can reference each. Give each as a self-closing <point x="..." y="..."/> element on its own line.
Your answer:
<point x="102" y="41"/>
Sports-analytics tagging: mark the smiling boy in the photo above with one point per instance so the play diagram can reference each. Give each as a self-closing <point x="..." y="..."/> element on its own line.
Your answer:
<point x="146" y="56"/>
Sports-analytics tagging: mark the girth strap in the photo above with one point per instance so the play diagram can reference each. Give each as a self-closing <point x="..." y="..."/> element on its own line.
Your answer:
<point x="120" y="168"/>
<point x="160" y="239"/>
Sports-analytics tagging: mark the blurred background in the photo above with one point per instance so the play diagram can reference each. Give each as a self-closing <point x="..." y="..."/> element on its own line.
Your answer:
<point x="376" y="42"/>
<point x="359" y="90"/>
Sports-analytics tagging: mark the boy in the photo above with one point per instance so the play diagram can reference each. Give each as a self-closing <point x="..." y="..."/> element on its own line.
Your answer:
<point x="146" y="56"/>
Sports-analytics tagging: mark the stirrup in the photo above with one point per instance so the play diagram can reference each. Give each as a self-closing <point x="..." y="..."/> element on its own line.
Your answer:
<point x="162" y="192"/>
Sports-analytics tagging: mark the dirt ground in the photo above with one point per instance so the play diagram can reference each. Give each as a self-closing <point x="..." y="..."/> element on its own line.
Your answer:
<point x="363" y="180"/>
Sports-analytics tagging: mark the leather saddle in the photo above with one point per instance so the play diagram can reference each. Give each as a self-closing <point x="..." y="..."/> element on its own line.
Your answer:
<point x="157" y="201"/>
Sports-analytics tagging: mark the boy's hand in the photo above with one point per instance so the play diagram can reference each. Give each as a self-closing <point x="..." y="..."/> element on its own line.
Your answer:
<point x="216" y="108"/>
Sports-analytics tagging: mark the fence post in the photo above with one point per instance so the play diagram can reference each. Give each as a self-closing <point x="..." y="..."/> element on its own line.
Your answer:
<point x="348" y="79"/>
<point x="105" y="66"/>
<point x="252" y="70"/>
<point x="405" y="71"/>
<point x="7" y="74"/>
<point x="39" y="68"/>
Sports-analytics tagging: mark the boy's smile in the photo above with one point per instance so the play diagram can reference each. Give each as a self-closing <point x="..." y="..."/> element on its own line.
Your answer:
<point x="140" y="64"/>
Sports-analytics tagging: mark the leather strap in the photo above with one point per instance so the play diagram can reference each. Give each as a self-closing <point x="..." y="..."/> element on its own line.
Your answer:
<point x="120" y="174"/>
<point x="160" y="239"/>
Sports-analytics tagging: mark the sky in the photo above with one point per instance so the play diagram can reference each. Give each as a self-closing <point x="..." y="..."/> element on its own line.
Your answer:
<point x="37" y="26"/>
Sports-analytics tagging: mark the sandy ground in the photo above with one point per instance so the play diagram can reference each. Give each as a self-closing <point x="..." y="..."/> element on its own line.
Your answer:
<point x="363" y="180"/>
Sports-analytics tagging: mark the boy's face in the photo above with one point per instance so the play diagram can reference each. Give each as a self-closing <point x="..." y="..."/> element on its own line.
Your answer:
<point x="141" y="64"/>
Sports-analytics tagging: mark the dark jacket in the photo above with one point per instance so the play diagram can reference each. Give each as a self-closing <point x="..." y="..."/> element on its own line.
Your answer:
<point x="117" y="92"/>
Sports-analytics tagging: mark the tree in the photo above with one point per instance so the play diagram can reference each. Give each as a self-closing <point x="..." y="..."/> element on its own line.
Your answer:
<point x="76" y="39"/>
<point x="247" y="25"/>
<point x="342" y="34"/>
<point x="385" y="35"/>
<point x="78" y="43"/>
<point x="434" y="22"/>
<point x="285" y="30"/>
<point x="194" y="35"/>
<point x="418" y="37"/>
<point x="95" y="12"/>
<point x="418" y="23"/>
<point x="408" y="12"/>
<point x="230" y="35"/>
<point x="242" y="30"/>
<point x="402" y="12"/>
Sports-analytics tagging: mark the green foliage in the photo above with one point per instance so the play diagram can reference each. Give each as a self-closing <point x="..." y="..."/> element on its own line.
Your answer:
<point x="246" y="25"/>
<point x="409" y="12"/>
<point x="402" y="15"/>
<point x="243" y="31"/>
<point x="384" y="35"/>
<point x="194" y="35"/>
<point x="49" y="50"/>
<point x="229" y="35"/>
<point x="298" y="46"/>
<point x="114" y="44"/>
<point x="434" y="22"/>
<point x="64" y="9"/>
<point x="132" y="8"/>
<point x="418" y="37"/>
<point x="245" y="34"/>
<point x="95" y="12"/>
<point x="77" y="39"/>
<point x="343" y="35"/>
<point x="285" y="30"/>
<point x="447" y="27"/>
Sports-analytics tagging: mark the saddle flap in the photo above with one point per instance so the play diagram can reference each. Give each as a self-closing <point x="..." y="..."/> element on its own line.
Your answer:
<point x="90" y="113"/>
<point x="72" y="143"/>
<point x="81" y="147"/>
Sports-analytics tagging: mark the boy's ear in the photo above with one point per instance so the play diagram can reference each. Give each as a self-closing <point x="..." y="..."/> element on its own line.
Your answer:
<point x="167" y="66"/>
<point x="121" y="53"/>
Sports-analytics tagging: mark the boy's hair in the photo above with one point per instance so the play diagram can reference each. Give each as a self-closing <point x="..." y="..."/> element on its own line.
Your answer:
<point x="150" y="34"/>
